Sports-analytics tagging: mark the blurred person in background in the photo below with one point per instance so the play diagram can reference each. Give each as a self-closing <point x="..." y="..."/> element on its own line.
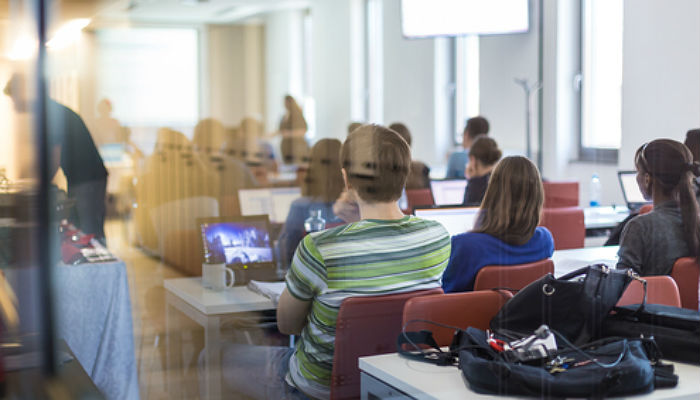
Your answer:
<point x="419" y="175"/>
<point x="458" y="160"/>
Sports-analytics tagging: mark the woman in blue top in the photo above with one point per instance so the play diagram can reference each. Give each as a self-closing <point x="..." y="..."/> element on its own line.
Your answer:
<point x="506" y="231"/>
<point x="321" y="187"/>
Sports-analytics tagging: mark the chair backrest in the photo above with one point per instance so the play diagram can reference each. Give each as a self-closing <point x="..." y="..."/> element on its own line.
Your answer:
<point x="365" y="326"/>
<point x="686" y="273"/>
<point x="567" y="226"/>
<point x="560" y="194"/>
<point x="512" y="276"/>
<point x="660" y="290"/>
<point x="455" y="309"/>
<point x="419" y="197"/>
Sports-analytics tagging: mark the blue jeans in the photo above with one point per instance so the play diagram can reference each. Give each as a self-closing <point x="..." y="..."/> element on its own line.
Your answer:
<point x="257" y="372"/>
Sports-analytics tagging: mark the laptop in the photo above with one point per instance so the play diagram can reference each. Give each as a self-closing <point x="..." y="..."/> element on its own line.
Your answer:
<point x="243" y="244"/>
<point x="630" y="190"/>
<point x="456" y="220"/>
<point x="274" y="202"/>
<point x="448" y="192"/>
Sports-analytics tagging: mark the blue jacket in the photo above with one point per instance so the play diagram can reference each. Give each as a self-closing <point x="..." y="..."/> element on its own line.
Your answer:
<point x="473" y="251"/>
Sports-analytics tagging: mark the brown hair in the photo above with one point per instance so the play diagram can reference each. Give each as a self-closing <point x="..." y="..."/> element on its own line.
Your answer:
<point x="324" y="181"/>
<point x="513" y="201"/>
<point x="476" y="126"/>
<point x="353" y="125"/>
<point x="209" y="136"/>
<point x="692" y="140"/>
<point x="670" y="165"/>
<point x="376" y="161"/>
<point x="402" y="130"/>
<point x="485" y="150"/>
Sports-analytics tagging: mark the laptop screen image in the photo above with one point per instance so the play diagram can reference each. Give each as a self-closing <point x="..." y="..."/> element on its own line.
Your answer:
<point x="630" y="189"/>
<point x="456" y="220"/>
<point x="274" y="202"/>
<point x="239" y="242"/>
<point x="448" y="192"/>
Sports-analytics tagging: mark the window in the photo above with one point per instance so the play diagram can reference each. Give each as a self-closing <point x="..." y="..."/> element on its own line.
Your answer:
<point x="601" y="79"/>
<point x="466" y="82"/>
<point x="150" y="75"/>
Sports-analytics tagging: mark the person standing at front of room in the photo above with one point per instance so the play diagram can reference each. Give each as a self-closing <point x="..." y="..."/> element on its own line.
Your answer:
<point x="73" y="149"/>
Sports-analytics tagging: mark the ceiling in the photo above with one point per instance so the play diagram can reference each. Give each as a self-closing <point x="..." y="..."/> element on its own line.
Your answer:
<point x="161" y="11"/>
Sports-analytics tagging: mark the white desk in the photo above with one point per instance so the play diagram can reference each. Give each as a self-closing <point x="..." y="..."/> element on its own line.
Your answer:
<point x="207" y="308"/>
<point x="390" y="376"/>
<point x="604" y="217"/>
<point x="566" y="261"/>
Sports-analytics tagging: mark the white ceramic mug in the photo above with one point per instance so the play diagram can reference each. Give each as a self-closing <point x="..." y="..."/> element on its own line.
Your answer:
<point x="214" y="276"/>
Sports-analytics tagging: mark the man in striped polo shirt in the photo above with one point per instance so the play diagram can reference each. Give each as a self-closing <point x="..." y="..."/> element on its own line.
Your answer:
<point x="383" y="252"/>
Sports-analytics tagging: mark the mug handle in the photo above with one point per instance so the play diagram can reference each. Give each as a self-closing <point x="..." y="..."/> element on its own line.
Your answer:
<point x="231" y="275"/>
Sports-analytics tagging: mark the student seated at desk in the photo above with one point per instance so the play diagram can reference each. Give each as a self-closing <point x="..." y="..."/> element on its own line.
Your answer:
<point x="651" y="243"/>
<point x="458" y="160"/>
<point x="483" y="156"/>
<point x="419" y="175"/>
<point x="506" y="231"/>
<point x="385" y="252"/>
<point x="322" y="185"/>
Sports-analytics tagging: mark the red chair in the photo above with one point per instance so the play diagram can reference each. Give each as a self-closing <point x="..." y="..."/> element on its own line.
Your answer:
<point x="567" y="226"/>
<point x="512" y="276"/>
<point x="686" y="273"/>
<point x="560" y="194"/>
<point x="365" y="326"/>
<point x="419" y="197"/>
<point x="455" y="309"/>
<point x="660" y="290"/>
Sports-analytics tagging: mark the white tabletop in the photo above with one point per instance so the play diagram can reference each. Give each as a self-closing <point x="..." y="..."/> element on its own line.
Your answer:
<point x="427" y="381"/>
<point x="604" y="217"/>
<point x="207" y="301"/>
<point x="566" y="261"/>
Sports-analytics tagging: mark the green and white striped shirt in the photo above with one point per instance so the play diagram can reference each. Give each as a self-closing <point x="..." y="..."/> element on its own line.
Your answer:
<point x="366" y="258"/>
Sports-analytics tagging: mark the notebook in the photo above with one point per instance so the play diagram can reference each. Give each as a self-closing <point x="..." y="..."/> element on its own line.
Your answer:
<point x="242" y="243"/>
<point x="448" y="192"/>
<point x="456" y="220"/>
<point x="630" y="190"/>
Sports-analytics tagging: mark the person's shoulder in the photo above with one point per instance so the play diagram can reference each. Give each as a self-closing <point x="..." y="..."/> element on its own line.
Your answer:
<point x="474" y="240"/>
<point x="426" y="224"/>
<point x="542" y="233"/>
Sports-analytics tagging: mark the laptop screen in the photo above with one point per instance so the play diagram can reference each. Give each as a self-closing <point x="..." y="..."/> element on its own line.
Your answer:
<point x="238" y="242"/>
<point x="274" y="202"/>
<point x="630" y="189"/>
<point x="448" y="192"/>
<point x="456" y="220"/>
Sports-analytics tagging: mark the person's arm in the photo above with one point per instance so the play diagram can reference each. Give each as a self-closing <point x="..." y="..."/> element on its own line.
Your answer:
<point x="631" y="253"/>
<point x="305" y="279"/>
<point x="291" y="313"/>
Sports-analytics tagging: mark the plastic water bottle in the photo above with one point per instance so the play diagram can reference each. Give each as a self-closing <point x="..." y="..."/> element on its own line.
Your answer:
<point x="315" y="222"/>
<point x="596" y="191"/>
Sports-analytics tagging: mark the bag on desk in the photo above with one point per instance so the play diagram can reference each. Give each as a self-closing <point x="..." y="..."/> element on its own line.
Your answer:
<point x="573" y="305"/>
<point x="675" y="330"/>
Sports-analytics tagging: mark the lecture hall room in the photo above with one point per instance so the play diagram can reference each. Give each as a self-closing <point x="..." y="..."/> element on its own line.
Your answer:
<point x="277" y="199"/>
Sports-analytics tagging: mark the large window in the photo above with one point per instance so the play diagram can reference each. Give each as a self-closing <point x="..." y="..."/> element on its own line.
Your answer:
<point x="466" y="82"/>
<point x="601" y="84"/>
<point x="150" y="75"/>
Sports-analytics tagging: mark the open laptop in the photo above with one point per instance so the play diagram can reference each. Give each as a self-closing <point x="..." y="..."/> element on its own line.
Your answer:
<point x="274" y="202"/>
<point x="243" y="244"/>
<point x="630" y="190"/>
<point x="448" y="192"/>
<point x="456" y="220"/>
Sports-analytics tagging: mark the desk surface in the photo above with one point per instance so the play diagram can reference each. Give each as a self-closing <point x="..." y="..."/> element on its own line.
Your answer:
<point x="427" y="381"/>
<point x="566" y="261"/>
<point x="604" y="217"/>
<point x="207" y="301"/>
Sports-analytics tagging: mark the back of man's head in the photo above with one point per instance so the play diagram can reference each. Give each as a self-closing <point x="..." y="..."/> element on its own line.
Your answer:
<point x="376" y="161"/>
<point x="476" y="126"/>
<point x="402" y="130"/>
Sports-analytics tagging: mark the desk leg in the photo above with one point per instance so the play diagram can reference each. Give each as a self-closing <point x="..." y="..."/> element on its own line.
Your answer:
<point x="212" y="357"/>
<point x="173" y="354"/>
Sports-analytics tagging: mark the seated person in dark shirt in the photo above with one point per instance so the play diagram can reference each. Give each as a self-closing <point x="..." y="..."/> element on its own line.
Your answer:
<point x="72" y="148"/>
<point x="419" y="175"/>
<point x="651" y="243"/>
<point x="483" y="156"/>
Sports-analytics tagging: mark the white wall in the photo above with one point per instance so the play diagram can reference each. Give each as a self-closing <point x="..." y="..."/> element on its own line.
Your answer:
<point x="502" y="59"/>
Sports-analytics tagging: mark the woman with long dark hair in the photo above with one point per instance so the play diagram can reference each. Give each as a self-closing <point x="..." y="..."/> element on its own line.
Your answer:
<point x="506" y="231"/>
<point x="651" y="243"/>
